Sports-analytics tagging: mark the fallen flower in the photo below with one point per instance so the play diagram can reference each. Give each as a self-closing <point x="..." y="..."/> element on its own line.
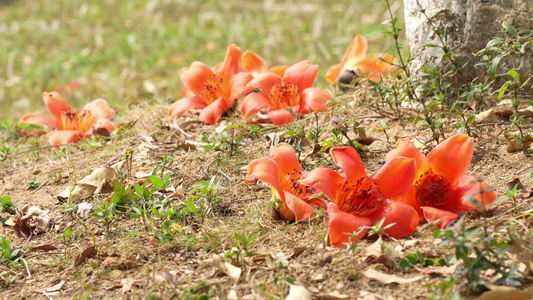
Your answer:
<point x="360" y="200"/>
<point x="214" y="91"/>
<point x="293" y="90"/>
<point x="357" y="63"/>
<point x="282" y="171"/>
<point x="255" y="64"/>
<point x="442" y="186"/>
<point x="71" y="125"/>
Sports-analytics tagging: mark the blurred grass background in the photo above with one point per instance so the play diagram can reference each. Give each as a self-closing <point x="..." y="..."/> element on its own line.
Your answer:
<point x="130" y="51"/>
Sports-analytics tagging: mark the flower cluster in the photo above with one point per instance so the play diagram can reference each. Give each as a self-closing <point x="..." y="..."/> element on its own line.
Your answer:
<point x="408" y="188"/>
<point x="286" y="92"/>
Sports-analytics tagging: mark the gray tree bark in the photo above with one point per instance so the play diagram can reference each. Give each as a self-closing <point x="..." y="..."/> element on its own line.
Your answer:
<point x="470" y="25"/>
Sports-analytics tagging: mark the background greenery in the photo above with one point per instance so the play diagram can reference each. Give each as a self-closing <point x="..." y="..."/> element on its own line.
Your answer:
<point x="128" y="51"/>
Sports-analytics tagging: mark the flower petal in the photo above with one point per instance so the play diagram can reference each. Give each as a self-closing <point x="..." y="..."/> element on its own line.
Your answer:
<point x="348" y="160"/>
<point x="56" y="105"/>
<point x="314" y="99"/>
<point x="469" y="185"/>
<point x="253" y="103"/>
<point x="283" y="154"/>
<point x="410" y="199"/>
<point x="239" y="86"/>
<point x="104" y="123"/>
<point x="395" y="177"/>
<point x="253" y="62"/>
<point x="301" y="74"/>
<point x="317" y="202"/>
<point x="60" y="137"/>
<point x="230" y="65"/>
<point x="404" y="216"/>
<point x="280" y="70"/>
<point x="433" y="214"/>
<point x="342" y="225"/>
<point x="280" y="116"/>
<point x="373" y="66"/>
<point x="213" y="112"/>
<point x="332" y="75"/>
<point x="266" y="170"/>
<point x="452" y="157"/>
<point x="356" y="50"/>
<point x="99" y="109"/>
<point x="183" y="105"/>
<point x="195" y="76"/>
<point x="37" y="119"/>
<point x="264" y="82"/>
<point x="404" y="148"/>
<point x="294" y="208"/>
<point x="325" y="180"/>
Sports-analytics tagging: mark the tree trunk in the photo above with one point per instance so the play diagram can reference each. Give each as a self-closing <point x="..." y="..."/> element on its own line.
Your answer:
<point x="470" y="25"/>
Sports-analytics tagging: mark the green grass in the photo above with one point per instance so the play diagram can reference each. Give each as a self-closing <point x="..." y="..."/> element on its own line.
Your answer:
<point x="112" y="47"/>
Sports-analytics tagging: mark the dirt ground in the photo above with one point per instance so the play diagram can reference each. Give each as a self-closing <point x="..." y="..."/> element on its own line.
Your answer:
<point x="129" y="264"/>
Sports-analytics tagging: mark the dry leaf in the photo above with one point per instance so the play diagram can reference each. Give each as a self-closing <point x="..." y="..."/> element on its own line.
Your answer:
<point x="89" y="185"/>
<point x="226" y="268"/>
<point x="298" y="292"/>
<point x="526" y="112"/>
<point x="498" y="292"/>
<point x="488" y="116"/>
<point x="45" y="247"/>
<point x="524" y="192"/>
<point x="514" y="144"/>
<point x="297" y="252"/>
<point x="89" y="252"/>
<point x="84" y="210"/>
<point x="232" y="295"/>
<point x="51" y="289"/>
<point x="35" y="219"/>
<point x="387" y="278"/>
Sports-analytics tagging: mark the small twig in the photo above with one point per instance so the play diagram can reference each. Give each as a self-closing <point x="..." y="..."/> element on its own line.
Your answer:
<point x="42" y="185"/>
<point x="173" y="170"/>
<point x="224" y="174"/>
<point x="181" y="130"/>
<point x="112" y="160"/>
<point x="29" y="238"/>
<point x="26" y="266"/>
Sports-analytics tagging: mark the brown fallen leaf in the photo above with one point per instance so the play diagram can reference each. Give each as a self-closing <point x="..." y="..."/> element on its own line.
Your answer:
<point x="504" y="114"/>
<point x="498" y="292"/>
<point x="297" y="252"/>
<point x="514" y="144"/>
<point x="89" y="252"/>
<point x="92" y="184"/>
<point x="387" y="278"/>
<point x="37" y="219"/>
<point x="524" y="192"/>
<point x="488" y="116"/>
<point x="45" y="247"/>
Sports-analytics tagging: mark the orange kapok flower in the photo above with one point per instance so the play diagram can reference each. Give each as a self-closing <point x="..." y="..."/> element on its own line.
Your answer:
<point x="71" y="125"/>
<point x="441" y="185"/>
<point x="356" y="61"/>
<point x="282" y="171"/>
<point x="292" y="90"/>
<point x="359" y="200"/>
<point x="214" y="91"/>
<point x="255" y="64"/>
